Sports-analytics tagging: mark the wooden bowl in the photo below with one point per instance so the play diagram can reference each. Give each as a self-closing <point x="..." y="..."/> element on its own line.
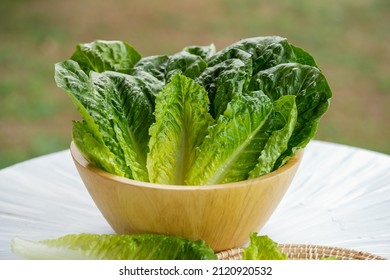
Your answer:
<point x="222" y="215"/>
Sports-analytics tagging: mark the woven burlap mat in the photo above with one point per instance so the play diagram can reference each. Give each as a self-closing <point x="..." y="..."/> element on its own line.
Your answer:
<point x="307" y="252"/>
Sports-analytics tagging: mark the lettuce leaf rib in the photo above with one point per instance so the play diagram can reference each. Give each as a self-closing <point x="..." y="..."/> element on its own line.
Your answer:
<point x="181" y="124"/>
<point x="284" y="123"/>
<point x="233" y="144"/>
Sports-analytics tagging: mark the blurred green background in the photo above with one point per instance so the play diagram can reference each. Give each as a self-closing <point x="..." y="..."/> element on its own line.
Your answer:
<point x="350" y="40"/>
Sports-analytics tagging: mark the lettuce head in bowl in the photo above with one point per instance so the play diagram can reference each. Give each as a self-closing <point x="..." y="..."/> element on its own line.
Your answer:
<point x="201" y="143"/>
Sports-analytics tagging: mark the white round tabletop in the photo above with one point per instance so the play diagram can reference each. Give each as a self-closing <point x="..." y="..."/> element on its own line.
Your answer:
<point x="339" y="197"/>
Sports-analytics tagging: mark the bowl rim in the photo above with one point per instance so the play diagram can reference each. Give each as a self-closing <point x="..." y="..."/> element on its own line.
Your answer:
<point x="80" y="159"/>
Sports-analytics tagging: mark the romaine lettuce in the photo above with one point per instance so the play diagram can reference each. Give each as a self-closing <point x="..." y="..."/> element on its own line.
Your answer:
<point x="197" y="116"/>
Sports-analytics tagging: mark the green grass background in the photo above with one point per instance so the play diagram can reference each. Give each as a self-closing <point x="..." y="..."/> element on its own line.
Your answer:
<point x="350" y="40"/>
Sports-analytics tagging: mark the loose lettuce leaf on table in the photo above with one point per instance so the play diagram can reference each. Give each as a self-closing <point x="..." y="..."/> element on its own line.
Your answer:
<point x="181" y="125"/>
<point x="262" y="248"/>
<point x="113" y="247"/>
<point x="233" y="144"/>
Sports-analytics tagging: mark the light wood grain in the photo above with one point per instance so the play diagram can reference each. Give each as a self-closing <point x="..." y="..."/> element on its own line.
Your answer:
<point x="222" y="215"/>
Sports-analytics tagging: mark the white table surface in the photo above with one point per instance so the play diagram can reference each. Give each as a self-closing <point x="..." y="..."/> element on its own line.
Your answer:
<point x="339" y="197"/>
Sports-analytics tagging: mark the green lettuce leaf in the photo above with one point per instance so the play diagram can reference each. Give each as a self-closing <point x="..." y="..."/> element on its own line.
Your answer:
<point x="181" y="125"/>
<point x="284" y="123"/>
<point x="96" y="152"/>
<point x="132" y="103"/>
<point x="303" y="57"/>
<point x="233" y="145"/>
<point x="262" y="248"/>
<point x="227" y="74"/>
<point x="117" y="110"/>
<point x="97" y="131"/>
<point x="269" y="51"/>
<point x="142" y="83"/>
<point x="73" y="80"/>
<point x="154" y="65"/>
<point x="312" y="93"/>
<point x="113" y="247"/>
<point x="205" y="52"/>
<point x="230" y="70"/>
<point x="100" y="56"/>
<point x="185" y="63"/>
